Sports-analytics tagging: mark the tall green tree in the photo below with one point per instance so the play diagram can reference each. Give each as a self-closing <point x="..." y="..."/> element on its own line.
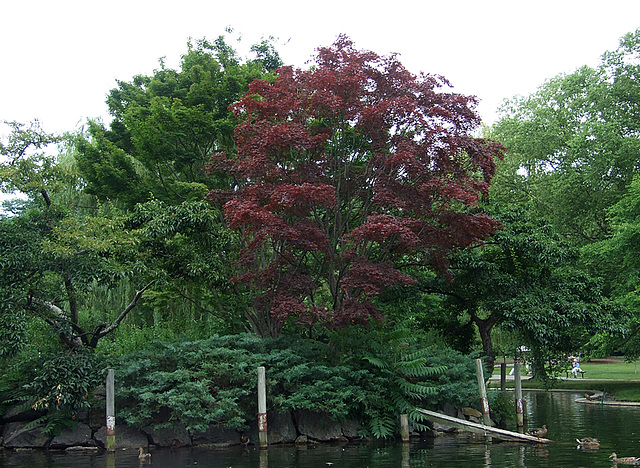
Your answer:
<point x="68" y="248"/>
<point x="617" y="259"/>
<point x="573" y="144"/>
<point x="167" y="125"/>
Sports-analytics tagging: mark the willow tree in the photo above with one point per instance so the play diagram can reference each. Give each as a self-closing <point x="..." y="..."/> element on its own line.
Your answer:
<point x="51" y="251"/>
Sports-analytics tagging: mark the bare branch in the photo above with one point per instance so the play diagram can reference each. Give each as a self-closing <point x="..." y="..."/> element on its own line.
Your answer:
<point x="124" y="313"/>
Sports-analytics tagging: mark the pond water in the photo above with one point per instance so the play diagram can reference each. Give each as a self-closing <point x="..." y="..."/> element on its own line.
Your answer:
<point x="617" y="428"/>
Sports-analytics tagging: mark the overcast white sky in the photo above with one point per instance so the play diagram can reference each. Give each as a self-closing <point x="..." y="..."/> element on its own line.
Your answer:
<point x="59" y="58"/>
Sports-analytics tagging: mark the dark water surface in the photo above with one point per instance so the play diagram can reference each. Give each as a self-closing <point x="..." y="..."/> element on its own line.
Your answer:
<point x="618" y="429"/>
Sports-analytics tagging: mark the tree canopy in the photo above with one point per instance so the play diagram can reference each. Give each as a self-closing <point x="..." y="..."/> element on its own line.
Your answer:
<point x="344" y="173"/>
<point x="573" y="144"/>
<point x="166" y="126"/>
<point x="527" y="279"/>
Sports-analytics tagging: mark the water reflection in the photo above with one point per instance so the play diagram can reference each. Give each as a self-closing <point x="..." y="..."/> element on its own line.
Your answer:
<point x="616" y="427"/>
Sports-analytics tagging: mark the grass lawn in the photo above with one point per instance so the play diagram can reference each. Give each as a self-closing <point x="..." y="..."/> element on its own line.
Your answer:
<point x="613" y="376"/>
<point x="619" y="370"/>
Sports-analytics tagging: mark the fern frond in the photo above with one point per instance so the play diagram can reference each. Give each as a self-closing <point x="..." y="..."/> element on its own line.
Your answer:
<point x="376" y="361"/>
<point x="416" y="390"/>
<point x="382" y="426"/>
<point x="36" y="422"/>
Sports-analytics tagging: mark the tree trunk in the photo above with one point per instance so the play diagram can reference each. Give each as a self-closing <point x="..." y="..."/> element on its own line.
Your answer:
<point x="484" y="328"/>
<point x="262" y="323"/>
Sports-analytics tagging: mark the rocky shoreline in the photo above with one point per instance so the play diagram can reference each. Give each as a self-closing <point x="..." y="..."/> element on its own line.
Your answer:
<point x="20" y="430"/>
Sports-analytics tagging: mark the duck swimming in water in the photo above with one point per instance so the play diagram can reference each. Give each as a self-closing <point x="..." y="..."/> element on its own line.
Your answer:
<point x="142" y="455"/>
<point x="624" y="460"/>
<point x="588" y="442"/>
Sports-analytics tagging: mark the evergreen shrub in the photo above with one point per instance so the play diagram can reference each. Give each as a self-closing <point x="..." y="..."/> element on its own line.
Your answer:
<point x="213" y="381"/>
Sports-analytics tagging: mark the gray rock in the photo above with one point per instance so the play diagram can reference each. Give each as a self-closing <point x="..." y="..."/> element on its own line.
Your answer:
<point x="95" y="418"/>
<point x="217" y="436"/>
<point x="176" y="436"/>
<point x="16" y="436"/>
<point x="78" y="436"/>
<point x="280" y="429"/>
<point x="318" y="426"/>
<point x="442" y="428"/>
<point x="126" y="437"/>
<point x="350" y="429"/>
<point x="16" y="413"/>
<point x="449" y="410"/>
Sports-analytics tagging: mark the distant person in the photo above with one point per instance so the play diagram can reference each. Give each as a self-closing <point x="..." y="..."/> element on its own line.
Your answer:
<point x="576" y="368"/>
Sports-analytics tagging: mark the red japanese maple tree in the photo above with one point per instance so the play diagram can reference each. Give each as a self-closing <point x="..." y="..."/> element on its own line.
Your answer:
<point x="345" y="171"/>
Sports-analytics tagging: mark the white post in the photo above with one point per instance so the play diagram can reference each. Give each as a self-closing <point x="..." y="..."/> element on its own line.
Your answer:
<point x="262" y="408"/>
<point x="518" y="395"/>
<point x="110" y="412"/>
<point x="404" y="427"/>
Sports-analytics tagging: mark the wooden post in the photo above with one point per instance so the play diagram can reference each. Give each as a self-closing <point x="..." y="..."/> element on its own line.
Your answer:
<point x="404" y="427"/>
<point x="503" y="376"/>
<point x="110" y="459"/>
<point x="264" y="459"/>
<point x="405" y="463"/>
<point x="518" y="395"/>
<point x="111" y="414"/>
<point x="262" y="408"/>
<point x="483" y="393"/>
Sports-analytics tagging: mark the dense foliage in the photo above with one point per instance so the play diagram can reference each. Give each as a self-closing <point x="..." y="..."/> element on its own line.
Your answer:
<point x="337" y="202"/>
<point x="213" y="381"/>
<point x="525" y="278"/>
<point x="573" y="149"/>
<point x="573" y="144"/>
<point x="166" y="126"/>
<point x="343" y="173"/>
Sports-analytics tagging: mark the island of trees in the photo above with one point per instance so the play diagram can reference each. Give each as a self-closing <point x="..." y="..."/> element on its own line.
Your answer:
<point x="350" y="226"/>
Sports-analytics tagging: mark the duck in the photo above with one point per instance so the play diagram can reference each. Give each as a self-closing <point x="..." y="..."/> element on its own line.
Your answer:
<point x="539" y="432"/>
<point x="244" y="440"/>
<point x="588" y="442"/>
<point x="624" y="460"/>
<point x="142" y="455"/>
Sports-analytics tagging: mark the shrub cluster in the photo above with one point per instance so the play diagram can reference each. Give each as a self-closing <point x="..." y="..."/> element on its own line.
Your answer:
<point x="213" y="381"/>
<point x="369" y="375"/>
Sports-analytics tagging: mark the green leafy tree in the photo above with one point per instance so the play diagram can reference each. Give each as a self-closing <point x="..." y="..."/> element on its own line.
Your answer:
<point x="166" y="126"/>
<point x="68" y="249"/>
<point x="573" y="144"/>
<point x="526" y="279"/>
<point x="616" y="259"/>
<point x="191" y="253"/>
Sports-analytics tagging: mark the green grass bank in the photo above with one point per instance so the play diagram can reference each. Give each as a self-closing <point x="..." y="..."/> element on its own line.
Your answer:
<point x="617" y="378"/>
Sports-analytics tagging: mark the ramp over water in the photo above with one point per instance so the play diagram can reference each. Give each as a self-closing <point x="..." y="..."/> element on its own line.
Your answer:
<point x="480" y="428"/>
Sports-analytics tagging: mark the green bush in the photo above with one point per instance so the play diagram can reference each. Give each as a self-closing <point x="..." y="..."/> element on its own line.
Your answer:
<point x="501" y="405"/>
<point x="213" y="381"/>
<point x="57" y="384"/>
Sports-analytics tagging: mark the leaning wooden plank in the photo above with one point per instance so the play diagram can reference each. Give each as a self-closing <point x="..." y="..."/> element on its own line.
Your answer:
<point x="480" y="428"/>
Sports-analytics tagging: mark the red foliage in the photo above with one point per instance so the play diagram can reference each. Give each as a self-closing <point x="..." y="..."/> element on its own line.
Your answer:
<point x="344" y="168"/>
